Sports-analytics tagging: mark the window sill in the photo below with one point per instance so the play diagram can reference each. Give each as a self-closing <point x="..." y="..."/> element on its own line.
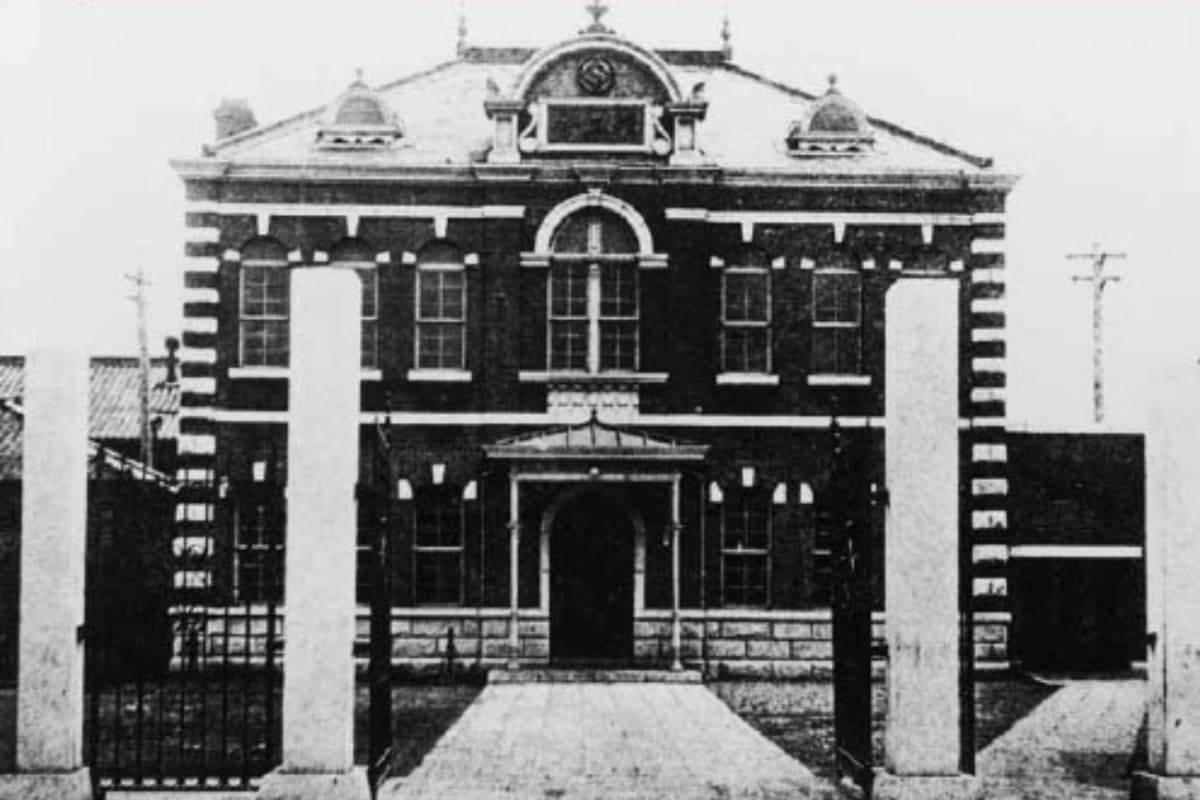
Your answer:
<point x="283" y="373"/>
<point x="439" y="375"/>
<point x="747" y="379"/>
<point x="839" y="380"/>
<point x="601" y="378"/>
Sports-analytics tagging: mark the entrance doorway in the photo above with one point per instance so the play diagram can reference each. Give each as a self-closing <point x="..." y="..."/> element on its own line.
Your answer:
<point x="591" y="581"/>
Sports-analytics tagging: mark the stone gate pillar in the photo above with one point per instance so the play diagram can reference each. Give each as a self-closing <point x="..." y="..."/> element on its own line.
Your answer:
<point x="921" y="543"/>
<point x="319" y="602"/>
<point x="53" y="550"/>
<point x="1172" y="589"/>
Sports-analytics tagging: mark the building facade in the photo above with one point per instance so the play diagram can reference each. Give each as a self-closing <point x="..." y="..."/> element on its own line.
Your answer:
<point x="613" y="301"/>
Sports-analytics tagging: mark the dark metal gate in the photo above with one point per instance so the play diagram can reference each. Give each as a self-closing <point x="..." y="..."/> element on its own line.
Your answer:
<point x="847" y="513"/>
<point x="375" y="532"/>
<point x="182" y="671"/>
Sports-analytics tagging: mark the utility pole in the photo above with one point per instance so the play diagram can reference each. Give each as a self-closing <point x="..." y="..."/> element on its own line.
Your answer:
<point x="147" y="438"/>
<point x="1099" y="280"/>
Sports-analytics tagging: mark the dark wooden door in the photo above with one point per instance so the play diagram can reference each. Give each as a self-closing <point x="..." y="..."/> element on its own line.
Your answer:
<point x="591" y="582"/>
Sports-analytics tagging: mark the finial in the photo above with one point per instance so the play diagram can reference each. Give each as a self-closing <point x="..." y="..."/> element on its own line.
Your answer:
<point x="597" y="8"/>
<point x="833" y="79"/>
<point x="358" y="77"/>
<point x="460" y="46"/>
<point x="726" y="37"/>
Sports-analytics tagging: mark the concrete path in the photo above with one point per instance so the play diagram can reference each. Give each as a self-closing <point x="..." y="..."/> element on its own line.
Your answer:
<point x="1077" y="745"/>
<point x="591" y="740"/>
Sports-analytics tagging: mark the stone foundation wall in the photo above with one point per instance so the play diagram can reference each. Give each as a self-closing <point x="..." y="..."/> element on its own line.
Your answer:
<point x="757" y="644"/>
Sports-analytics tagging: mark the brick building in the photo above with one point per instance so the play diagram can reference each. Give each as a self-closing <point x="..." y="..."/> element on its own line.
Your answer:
<point x="613" y="299"/>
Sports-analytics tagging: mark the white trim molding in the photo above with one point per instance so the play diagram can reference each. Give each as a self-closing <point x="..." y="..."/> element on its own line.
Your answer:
<point x="747" y="379"/>
<point x="823" y="379"/>
<point x="1093" y="551"/>
<point x="593" y="199"/>
<point x="439" y="375"/>
<point x="988" y="246"/>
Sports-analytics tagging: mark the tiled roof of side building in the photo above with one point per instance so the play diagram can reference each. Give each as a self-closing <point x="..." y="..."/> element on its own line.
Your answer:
<point x="114" y="405"/>
<point x="445" y="124"/>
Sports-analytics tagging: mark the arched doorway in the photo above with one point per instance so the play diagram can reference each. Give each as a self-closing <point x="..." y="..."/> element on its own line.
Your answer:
<point x="591" y="579"/>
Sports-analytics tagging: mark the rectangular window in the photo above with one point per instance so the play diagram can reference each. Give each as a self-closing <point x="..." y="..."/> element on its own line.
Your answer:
<point x="264" y="314"/>
<point x="837" y="323"/>
<point x="370" y="316"/>
<point x="745" y="550"/>
<point x="569" y="316"/>
<point x="746" y="316"/>
<point x="596" y="124"/>
<point x="618" y="316"/>
<point x="441" y="318"/>
<point x="258" y="548"/>
<point x="438" y="548"/>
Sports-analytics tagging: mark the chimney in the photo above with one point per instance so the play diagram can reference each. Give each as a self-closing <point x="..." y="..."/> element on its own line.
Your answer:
<point x="233" y="116"/>
<point x="172" y="345"/>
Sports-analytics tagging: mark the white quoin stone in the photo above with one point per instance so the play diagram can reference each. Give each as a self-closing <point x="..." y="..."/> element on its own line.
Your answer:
<point x="318" y="662"/>
<point x="1172" y="592"/>
<point x="921" y="565"/>
<point x="49" y="753"/>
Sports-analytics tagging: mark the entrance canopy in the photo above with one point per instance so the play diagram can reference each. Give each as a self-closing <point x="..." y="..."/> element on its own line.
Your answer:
<point x="594" y="440"/>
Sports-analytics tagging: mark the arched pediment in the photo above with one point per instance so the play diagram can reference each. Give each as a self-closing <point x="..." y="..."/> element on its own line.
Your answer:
<point x="597" y="65"/>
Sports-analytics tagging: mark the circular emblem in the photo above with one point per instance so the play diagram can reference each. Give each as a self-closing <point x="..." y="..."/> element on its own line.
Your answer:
<point x="596" y="76"/>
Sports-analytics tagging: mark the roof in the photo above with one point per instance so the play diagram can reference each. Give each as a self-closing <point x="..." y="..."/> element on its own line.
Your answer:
<point x="594" y="440"/>
<point x="442" y="110"/>
<point x="113" y="412"/>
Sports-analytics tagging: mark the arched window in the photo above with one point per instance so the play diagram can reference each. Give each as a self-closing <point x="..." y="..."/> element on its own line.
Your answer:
<point x="354" y="254"/>
<point x="441" y="335"/>
<point x="837" y="322"/>
<point x="264" y="298"/>
<point x="593" y="295"/>
<point x="746" y="315"/>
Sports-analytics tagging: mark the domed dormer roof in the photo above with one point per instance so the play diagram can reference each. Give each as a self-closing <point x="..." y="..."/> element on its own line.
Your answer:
<point x="834" y="126"/>
<point x="359" y="119"/>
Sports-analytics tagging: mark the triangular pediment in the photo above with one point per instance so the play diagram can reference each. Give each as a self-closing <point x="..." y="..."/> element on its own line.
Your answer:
<point x="594" y="439"/>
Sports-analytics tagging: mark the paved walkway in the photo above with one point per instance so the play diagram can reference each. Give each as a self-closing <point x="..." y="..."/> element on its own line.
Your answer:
<point x="1077" y="745"/>
<point x="618" y="740"/>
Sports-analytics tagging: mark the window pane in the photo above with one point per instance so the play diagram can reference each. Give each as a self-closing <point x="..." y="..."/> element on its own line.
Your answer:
<point x="746" y="297"/>
<point x="618" y="290"/>
<point x="439" y="522"/>
<point x="746" y="525"/>
<point x="264" y="343"/>
<point x="370" y="295"/>
<point x="618" y="345"/>
<point x="836" y="350"/>
<point x="746" y="349"/>
<point x="440" y="345"/>
<point x="745" y="579"/>
<point x="265" y="291"/>
<point x="429" y="293"/>
<point x="439" y="577"/>
<point x="837" y="297"/>
<point x="370" y="344"/>
<point x="568" y="344"/>
<point x="453" y="284"/>
<point x="568" y="290"/>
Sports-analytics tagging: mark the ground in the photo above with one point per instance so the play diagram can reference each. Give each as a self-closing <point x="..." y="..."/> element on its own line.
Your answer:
<point x="799" y="716"/>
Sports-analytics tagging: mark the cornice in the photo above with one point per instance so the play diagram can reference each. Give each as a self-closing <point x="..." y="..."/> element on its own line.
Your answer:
<point x="570" y="173"/>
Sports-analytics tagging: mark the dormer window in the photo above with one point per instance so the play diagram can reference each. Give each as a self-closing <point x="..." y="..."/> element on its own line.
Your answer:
<point x="835" y="126"/>
<point x="359" y="120"/>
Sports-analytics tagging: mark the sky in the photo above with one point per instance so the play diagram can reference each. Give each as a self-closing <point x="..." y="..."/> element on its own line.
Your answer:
<point x="1087" y="100"/>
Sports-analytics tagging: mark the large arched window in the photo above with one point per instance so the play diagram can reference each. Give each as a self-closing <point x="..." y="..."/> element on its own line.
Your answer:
<point x="264" y="298"/>
<point x="356" y="255"/>
<point x="592" y="323"/>
<point x="441" y="340"/>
